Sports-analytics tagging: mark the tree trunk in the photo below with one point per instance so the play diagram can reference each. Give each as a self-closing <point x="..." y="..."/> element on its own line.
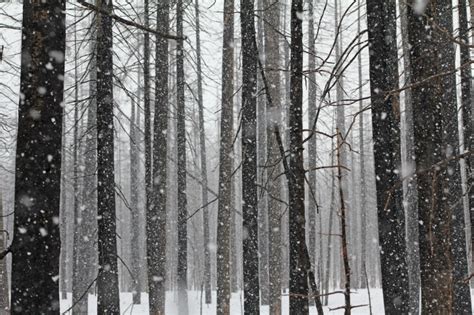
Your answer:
<point x="107" y="282"/>
<point x="263" y="226"/>
<point x="273" y="191"/>
<point x="202" y="143"/>
<point x="467" y="110"/>
<point x="408" y="164"/>
<point x="135" y="228"/>
<point x="225" y="164"/>
<point x="312" y="154"/>
<point x="363" y="184"/>
<point x="181" y="147"/>
<point x="36" y="239"/>
<point x="4" y="296"/>
<point x="452" y="176"/>
<point x="148" y="166"/>
<point x="249" y="160"/>
<point x="77" y="278"/>
<point x="298" y="273"/>
<point x="156" y="216"/>
<point x="381" y="21"/>
<point x="435" y="134"/>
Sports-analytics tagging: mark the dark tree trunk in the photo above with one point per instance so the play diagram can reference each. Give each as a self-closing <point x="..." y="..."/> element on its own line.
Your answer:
<point x="249" y="160"/>
<point x="225" y="164"/>
<point x="298" y="271"/>
<point x="203" y="155"/>
<point x="381" y="21"/>
<point x="107" y="282"/>
<point x="156" y="216"/>
<point x="181" y="147"/>
<point x="36" y="239"/>
<point x="436" y="139"/>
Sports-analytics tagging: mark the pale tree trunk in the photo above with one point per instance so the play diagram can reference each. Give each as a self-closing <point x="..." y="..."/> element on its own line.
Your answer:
<point x="467" y="111"/>
<point x="4" y="296"/>
<point x="273" y="118"/>
<point x="408" y="164"/>
<point x="135" y="228"/>
<point x="203" y="155"/>
<point x="262" y="171"/>
<point x="77" y="278"/>
<point x="312" y="154"/>
<point x="181" y="148"/>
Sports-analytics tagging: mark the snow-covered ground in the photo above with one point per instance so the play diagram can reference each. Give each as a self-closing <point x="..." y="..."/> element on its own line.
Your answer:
<point x="197" y="308"/>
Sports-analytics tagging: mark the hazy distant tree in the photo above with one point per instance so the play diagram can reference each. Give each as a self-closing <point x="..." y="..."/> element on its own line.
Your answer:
<point x="107" y="281"/>
<point x="134" y="212"/>
<point x="203" y="156"/>
<point x="181" y="147"/>
<point x="274" y="117"/>
<point x="36" y="240"/>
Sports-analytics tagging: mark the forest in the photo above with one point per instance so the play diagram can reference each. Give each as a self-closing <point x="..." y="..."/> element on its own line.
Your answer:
<point x="190" y="157"/>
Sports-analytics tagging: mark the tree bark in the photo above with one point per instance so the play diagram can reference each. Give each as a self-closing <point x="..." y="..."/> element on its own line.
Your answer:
<point x="156" y="215"/>
<point x="225" y="164"/>
<point x="435" y="134"/>
<point x="298" y="272"/>
<point x="408" y="164"/>
<point x="467" y="110"/>
<point x="381" y="21"/>
<point x="274" y="117"/>
<point x="135" y="228"/>
<point x="36" y="239"/>
<point x="181" y="148"/>
<point x="249" y="160"/>
<point x="107" y="281"/>
<point x="203" y="155"/>
<point x="4" y="296"/>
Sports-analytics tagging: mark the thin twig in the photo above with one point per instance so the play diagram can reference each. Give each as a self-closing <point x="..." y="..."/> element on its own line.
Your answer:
<point x="129" y="23"/>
